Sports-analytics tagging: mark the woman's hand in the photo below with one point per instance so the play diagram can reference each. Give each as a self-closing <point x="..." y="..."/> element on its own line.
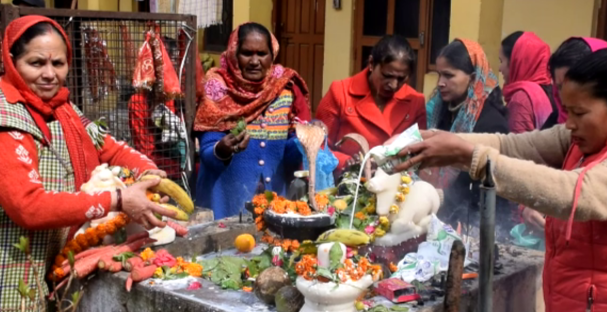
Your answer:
<point x="440" y="149"/>
<point x="140" y="209"/>
<point x="354" y="160"/>
<point x="534" y="220"/>
<point x="231" y="144"/>
<point x="156" y="172"/>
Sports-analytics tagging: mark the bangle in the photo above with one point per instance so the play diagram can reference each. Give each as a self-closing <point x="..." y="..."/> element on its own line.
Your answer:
<point x="118" y="200"/>
<point x="217" y="156"/>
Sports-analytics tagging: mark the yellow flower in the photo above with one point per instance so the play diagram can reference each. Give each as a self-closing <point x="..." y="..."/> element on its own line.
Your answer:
<point x="394" y="209"/>
<point x="406" y="179"/>
<point x="384" y="221"/>
<point x="400" y="197"/>
<point x="379" y="232"/>
<point x="370" y="208"/>
<point x="158" y="273"/>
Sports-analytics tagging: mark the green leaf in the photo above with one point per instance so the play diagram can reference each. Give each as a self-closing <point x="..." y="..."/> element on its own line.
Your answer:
<point x="264" y="260"/>
<point x="32" y="294"/>
<point x="75" y="296"/>
<point x="124" y="256"/>
<point x="399" y="309"/>
<point x="253" y="268"/>
<point x="23" y="245"/>
<point x="324" y="272"/>
<point x="379" y="308"/>
<point x="231" y="284"/>
<point x="70" y="258"/>
<point x="335" y="254"/>
<point x="269" y="196"/>
<point x="208" y="265"/>
<point x="23" y="289"/>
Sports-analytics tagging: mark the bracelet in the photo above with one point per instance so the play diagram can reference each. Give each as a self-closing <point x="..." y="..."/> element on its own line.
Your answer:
<point x="217" y="156"/>
<point x="118" y="200"/>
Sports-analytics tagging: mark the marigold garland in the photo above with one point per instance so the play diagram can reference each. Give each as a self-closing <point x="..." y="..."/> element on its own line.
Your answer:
<point x="281" y="205"/>
<point x="288" y="245"/>
<point x="91" y="237"/>
<point x="351" y="270"/>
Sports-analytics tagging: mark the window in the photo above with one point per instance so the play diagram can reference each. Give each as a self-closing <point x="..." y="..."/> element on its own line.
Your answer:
<point x="425" y="24"/>
<point x="216" y="36"/>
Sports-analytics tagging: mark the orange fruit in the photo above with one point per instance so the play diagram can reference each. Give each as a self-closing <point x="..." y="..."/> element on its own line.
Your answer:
<point x="244" y="243"/>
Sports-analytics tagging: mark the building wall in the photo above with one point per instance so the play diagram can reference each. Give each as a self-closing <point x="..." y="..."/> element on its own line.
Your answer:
<point x="339" y="34"/>
<point x="552" y="20"/>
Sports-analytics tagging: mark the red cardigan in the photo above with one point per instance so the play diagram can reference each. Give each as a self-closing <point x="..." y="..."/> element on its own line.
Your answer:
<point x="349" y="107"/>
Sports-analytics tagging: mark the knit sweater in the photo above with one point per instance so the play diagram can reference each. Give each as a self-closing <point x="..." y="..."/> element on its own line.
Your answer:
<point x="523" y="169"/>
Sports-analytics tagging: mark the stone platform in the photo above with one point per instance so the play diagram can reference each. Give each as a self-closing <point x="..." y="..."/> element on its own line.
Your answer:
<point x="516" y="287"/>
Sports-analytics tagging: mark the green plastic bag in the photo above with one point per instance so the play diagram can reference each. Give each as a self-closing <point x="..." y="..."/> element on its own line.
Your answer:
<point x="522" y="238"/>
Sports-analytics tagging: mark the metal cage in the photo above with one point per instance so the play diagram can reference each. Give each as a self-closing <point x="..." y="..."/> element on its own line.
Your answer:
<point x="105" y="47"/>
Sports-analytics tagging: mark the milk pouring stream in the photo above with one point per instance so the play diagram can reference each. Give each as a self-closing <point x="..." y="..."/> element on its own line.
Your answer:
<point x="383" y="155"/>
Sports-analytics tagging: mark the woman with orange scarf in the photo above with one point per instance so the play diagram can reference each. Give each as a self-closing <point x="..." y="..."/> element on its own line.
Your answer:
<point x="47" y="154"/>
<point x="268" y="97"/>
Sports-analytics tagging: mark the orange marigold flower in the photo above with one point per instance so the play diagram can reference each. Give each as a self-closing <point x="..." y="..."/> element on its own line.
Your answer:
<point x="147" y="254"/>
<point x="322" y="200"/>
<point x="111" y="228"/>
<point x="286" y="244"/>
<point x="193" y="269"/>
<point x="101" y="230"/>
<point x="81" y="241"/>
<point x="359" y="215"/>
<point x="259" y="211"/>
<point x="247" y="289"/>
<point x="294" y="245"/>
<point x="291" y="206"/>
<point x="59" y="260"/>
<point x="393" y="267"/>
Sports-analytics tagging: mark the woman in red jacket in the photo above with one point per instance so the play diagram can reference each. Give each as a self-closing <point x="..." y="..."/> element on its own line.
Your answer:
<point x="47" y="154"/>
<point x="376" y="103"/>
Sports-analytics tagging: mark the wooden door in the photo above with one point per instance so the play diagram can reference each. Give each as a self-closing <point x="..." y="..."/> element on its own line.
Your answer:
<point x="601" y="28"/>
<point x="408" y="18"/>
<point x="300" y="29"/>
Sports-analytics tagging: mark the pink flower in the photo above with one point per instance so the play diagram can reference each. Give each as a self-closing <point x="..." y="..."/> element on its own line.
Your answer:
<point x="163" y="258"/>
<point x="278" y="71"/>
<point x="369" y="229"/>
<point x="349" y="252"/>
<point x="194" y="285"/>
<point x="331" y="211"/>
<point x="215" y="90"/>
<point x="221" y="225"/>
<point x="276" y="261"/>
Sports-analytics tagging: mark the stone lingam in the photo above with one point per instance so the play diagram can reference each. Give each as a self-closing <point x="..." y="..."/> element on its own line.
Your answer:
<point x="282" y="216"/>
<point x="325" y="296"/>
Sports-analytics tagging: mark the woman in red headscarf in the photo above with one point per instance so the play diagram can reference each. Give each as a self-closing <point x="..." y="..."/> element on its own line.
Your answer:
<point x="248" y="86"/>
<point x="47" y="154"/>
<point x="527" y="84"/>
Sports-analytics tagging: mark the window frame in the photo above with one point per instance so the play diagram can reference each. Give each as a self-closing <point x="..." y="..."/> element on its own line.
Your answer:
<point x="424" y="63"/>
<point x="226" y="25"/>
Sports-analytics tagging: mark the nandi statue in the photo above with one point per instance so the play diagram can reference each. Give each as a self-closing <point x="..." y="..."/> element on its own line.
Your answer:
<point x="413" y="215"/>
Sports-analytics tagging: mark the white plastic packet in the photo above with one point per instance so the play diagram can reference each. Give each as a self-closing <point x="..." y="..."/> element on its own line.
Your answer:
<point x="383" y="155"/>
<point x="432" y="256"/>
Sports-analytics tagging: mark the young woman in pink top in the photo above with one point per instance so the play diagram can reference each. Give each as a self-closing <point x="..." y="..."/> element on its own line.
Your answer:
<point x="527" y="83"/>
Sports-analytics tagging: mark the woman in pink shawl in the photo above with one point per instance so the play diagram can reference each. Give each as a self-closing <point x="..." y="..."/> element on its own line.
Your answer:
<point x="527" y="83"/>
<point x="568" y="53"/>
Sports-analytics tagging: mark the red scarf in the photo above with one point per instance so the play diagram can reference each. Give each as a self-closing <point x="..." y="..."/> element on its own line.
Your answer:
<point x="83" y="154"/>
<point x="528" y="72"/>
<point x="229" y="96"/>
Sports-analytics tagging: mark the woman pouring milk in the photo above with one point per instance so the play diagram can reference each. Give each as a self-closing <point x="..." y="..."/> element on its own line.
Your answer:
<point x="573" y="197"/>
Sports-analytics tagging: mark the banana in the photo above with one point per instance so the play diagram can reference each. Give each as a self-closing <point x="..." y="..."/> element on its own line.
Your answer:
<point x="181" y="215"/>
<point x="172" y="190"/>
<point x="348" y="237"/>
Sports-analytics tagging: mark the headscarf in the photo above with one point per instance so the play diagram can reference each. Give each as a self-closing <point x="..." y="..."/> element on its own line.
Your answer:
<point x="528" y="72"/>
<point x="229" y="96"/>
<point x="83" y="154"/>
<point x="594" y="44"/>
<point x="484" y="83"/>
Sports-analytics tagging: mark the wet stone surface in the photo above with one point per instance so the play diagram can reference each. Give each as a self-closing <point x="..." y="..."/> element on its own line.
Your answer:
<point x="517" y="283"/>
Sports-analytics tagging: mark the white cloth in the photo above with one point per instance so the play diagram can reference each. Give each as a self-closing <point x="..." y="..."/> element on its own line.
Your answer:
<point x="208" y="12"/>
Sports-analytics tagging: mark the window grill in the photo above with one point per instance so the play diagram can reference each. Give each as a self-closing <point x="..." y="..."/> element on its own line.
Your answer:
<point x="105" y="47"/>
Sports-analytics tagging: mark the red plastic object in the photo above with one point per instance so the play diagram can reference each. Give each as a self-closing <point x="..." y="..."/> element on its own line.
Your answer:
<point x="397" y="290"/>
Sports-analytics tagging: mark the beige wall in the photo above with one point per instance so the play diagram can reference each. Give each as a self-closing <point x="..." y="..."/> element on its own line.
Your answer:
<point x="552" y="20"/>
<point x="339" y="40"/>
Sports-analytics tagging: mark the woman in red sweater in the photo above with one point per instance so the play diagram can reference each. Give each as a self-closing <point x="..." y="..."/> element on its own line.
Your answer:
<point x="47" y="154"/>
<point x="376" y="103"/>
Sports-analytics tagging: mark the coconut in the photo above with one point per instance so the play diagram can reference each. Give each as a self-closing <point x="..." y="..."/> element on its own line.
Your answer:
<point x="289" y="299"/>
<point x="269" y="282"/>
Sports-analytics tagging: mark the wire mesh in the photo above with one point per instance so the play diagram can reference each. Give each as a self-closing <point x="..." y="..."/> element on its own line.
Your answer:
<point x="100" y="80"/>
